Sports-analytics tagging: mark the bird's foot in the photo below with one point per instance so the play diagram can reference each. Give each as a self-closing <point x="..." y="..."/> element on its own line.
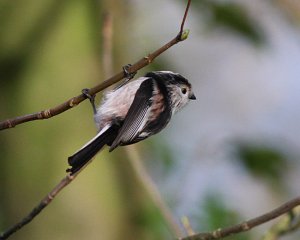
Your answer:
<point x="126" y="72"/>
<point x="86" y="93"/>
<point x="127" y="75"/>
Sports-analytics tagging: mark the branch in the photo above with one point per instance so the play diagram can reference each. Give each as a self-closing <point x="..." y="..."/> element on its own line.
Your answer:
<point x="72" y="102"/>
<point x="247" y="225"/>
<point x="184" y="18"/>
<point x="45" y="114"/>
<point x="287" y="224"/>
<point x="43" y="203"/>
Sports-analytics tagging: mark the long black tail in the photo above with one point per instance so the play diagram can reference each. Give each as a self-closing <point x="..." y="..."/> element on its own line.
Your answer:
<point x="80" y="158"/>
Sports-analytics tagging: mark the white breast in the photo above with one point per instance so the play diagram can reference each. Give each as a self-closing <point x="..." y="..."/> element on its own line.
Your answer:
<point x="116" y="103"/>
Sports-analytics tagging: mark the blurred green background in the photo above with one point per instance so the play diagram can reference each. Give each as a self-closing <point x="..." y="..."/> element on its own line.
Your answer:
<point x="50" y="50"/>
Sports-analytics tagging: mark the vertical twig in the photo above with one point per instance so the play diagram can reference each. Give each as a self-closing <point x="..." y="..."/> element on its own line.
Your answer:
<point x="107" y="36"/>
<point x="145" y="179"/>
<point x="184" y="16"/>
<point x="187" y="226"/>
<point x="132" y="151"/>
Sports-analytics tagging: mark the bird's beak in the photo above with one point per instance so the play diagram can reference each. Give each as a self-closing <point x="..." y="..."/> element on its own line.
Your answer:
<point x="192" y="96"/>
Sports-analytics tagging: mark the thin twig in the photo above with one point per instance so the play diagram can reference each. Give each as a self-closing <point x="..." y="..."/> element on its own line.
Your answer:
<point x="107" y="34"/>
<point x="187" y="225"/>
<point x="43" y="203"/>
<point x="150" y="187"/>
<point x="286" y="224"/>
<point x="65" y="106"/>
<point x="184" y="16"/>
<point x="247" y="225"/>
<point x="132" y="151"/>
<point x="72" y="102"/>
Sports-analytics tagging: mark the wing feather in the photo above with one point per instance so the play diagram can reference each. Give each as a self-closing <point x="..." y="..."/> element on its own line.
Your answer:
<point x="136" y="117"/>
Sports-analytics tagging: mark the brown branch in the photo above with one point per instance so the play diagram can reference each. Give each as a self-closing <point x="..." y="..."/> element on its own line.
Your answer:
<point x="72" y="102"/>
<point x="184" y="16"/>
<point x="247" y="225"/>
<point x="43" y="203"/>
<point x="288" y="223"/>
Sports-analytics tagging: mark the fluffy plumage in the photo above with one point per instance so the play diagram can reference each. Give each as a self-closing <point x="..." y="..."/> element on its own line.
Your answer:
<point x="134" y="112"/>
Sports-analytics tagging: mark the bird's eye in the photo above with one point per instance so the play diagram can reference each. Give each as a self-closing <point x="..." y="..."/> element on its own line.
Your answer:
<point x="183" y="90"/>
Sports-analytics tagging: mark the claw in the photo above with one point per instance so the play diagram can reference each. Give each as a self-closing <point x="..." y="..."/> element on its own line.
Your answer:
<point x="86" y="93"/>
<point x="127" y="74"/>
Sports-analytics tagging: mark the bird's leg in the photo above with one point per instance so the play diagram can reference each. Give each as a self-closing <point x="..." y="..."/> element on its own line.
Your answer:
<point x="86" y="93"/>
<point x="127" y="75"/>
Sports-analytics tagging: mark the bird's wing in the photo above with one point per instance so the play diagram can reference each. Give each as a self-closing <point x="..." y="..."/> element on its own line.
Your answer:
<point x="136" y="117"/>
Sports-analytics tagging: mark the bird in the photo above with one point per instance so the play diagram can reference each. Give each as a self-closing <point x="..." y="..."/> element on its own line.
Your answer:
<point x="133" y="112"/>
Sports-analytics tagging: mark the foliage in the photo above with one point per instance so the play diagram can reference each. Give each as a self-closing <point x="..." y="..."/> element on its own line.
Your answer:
<point x="232" y="16"/>
<point x="264" y="162"/>
<point x="217" y="215"/>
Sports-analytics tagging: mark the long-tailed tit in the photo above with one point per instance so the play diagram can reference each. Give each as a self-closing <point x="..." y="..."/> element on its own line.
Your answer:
<point x="135" y="111"/>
